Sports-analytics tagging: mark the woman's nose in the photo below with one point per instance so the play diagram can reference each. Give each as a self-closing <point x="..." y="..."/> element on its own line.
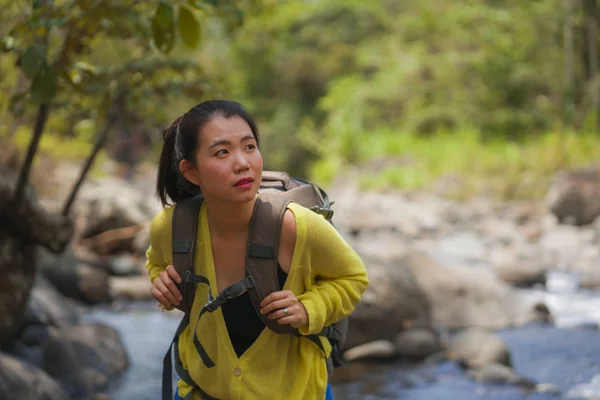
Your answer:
<point x="241" y="163"/>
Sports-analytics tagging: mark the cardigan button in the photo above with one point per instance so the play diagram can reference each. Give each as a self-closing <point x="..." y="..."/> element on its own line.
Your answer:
<point x="237" y="371"/>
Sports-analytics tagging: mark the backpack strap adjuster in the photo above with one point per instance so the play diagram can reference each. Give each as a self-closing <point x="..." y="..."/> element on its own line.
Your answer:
<point x="230" y="292"/>
<point x="191" y="277"/>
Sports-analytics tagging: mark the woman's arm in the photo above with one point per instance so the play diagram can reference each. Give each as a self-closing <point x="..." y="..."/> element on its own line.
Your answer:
<point x="338" y="275"/>
<point x="157" y="258"/>
<point x="158" y="261"/>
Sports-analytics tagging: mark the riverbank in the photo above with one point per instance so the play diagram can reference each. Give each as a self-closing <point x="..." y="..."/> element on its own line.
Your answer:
<point x="565" y="355"/>
<point x="435" y="265"/>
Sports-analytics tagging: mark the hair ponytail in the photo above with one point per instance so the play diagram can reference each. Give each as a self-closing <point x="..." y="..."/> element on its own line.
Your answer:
<point x="170" y="182"/>
<point x="166" y="179"/>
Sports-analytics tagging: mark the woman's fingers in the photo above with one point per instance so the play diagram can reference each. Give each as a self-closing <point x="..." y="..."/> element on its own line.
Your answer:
<point x="156" y="293"/>
<point x="296" y="316"/>
<point x="277" y="300"/>
<point x="172" y="272"/>
<point x="279" y="305"/>
<point x="171" y="286"/>
<point x="165" y="290"/>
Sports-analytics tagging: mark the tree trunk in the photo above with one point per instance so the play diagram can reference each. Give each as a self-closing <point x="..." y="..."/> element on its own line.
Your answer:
<point x="111" y="115"/>
<point x="40" y="122"/>
<point x="592" y="40"/>
<point x="569" y="58"/>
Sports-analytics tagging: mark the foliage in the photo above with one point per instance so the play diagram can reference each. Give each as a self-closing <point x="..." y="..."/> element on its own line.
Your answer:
<point x="333" y="83"/>
<point x="333" y="77"/>
<point x="85" y="56"/>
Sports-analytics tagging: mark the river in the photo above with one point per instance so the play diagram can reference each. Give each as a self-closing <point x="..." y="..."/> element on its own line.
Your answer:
<point x="566" y="355"/>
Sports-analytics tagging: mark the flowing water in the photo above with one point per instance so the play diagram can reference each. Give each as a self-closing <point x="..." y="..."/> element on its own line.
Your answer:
<point x="566" y="355"/>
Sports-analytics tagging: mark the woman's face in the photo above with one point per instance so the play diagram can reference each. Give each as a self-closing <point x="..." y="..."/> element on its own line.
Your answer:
<point x="228" y="163"/>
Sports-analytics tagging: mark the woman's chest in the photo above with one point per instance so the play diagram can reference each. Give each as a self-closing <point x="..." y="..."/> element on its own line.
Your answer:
<point x="229" y="258"/>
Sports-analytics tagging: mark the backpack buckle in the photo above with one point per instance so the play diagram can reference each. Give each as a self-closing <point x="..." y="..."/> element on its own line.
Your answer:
<point x="324" y="211"/>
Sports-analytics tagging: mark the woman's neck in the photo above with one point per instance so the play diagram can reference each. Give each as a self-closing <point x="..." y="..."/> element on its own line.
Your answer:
<point x="229" y="219"/>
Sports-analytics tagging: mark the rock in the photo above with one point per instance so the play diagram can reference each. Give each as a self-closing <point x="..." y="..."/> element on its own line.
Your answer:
<point x="141" y="241"/>
<point x="83" y="283"/>
<point x="100" y="210"/>
<point x="476" y="347"/>
<point x="101" y="396"/>
<point x="499" y="373"/>
<point x="502" y="230"/>
<point x="589" y="279"/>
<point x="46" y="307"/>
<point x="464" y="246"/>
<point x="50" y="261"/>
<point x="417" y="343"/>
<point x="133" y="288"/>
<point x="19" y="380"/>
<point x="376" y="349"/>
<point x="574" y="195"/>
<point x="547" y="388"/>
<point x="364" y="213"/>
<point x="22" y="227"/>
<point x="83" y="357"/>
<point x="392" y="302"/>
<point x="469" y="296"/>
<point x="524" y="274"/>
<point x="126" y="265"/>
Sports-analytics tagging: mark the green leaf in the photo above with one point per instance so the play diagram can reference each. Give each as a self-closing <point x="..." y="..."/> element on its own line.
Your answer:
<point x="163" y="28"/>
<point x="43" y="86"/>
<point x="189" y="27"/>
<point x="164" y="15"/>
<point x="199" y="3"/>
<point x="196" y="4"/>
<point x="7" y="43"/>
<point x="33" y="60"/>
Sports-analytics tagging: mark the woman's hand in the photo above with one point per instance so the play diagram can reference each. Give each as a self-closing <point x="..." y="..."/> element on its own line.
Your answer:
<point x="164" y="289"/>
<point x="285" y="308"/>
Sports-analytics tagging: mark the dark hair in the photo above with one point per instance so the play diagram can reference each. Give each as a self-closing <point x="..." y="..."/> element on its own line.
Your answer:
<point x="180" y="143"/>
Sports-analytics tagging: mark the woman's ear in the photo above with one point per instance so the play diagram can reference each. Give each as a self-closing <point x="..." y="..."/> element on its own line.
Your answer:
<point x="189" y="172"/>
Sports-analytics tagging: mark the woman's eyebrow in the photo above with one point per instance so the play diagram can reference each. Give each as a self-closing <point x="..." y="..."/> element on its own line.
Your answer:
<point x="227" y="142"/>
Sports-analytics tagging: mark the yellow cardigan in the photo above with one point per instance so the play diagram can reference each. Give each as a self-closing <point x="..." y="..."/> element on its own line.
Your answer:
<point x="326" y="275"/>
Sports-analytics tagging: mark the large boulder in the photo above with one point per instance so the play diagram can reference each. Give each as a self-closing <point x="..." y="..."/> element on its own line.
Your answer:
<point x="109" y="223"/>
<point x="46" y="306"/>
<point x="574" y="195"/>
<point x="393" y="302"/>
<point x="476" y="347"/>
<point x="470" y="296"/>
<point x="74" y="279"/>
<point x="20" y="380"/>
<point x="84" y="357"/>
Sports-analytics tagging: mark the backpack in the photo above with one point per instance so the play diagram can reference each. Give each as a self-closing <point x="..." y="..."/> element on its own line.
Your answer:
<point x="276" y="191"/>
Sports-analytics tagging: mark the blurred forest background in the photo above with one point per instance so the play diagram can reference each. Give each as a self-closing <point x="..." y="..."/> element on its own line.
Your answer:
<point x="477" y="97"/>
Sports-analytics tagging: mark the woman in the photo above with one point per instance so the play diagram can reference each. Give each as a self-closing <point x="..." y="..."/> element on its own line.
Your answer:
<point x="214" y="149"/>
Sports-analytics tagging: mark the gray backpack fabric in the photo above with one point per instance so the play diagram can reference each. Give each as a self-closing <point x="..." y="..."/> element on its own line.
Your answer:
<point x="277" y="190"/>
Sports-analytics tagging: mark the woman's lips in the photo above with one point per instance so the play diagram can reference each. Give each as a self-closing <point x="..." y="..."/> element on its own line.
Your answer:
<point x="244" y="183"/>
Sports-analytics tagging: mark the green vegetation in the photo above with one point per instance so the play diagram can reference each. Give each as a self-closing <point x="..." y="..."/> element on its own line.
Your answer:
<point x="497" y="168"/>
<point x="487" y="97"/>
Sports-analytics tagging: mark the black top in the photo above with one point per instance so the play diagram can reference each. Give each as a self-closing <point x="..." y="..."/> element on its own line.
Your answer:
<point x="243" y="324"/>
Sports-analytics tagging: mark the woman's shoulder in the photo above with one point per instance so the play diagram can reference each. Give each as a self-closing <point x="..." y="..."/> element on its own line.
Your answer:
<point x="309" y="216"/>
<point x="309" y="223"/>
<point x="161" y="222"/>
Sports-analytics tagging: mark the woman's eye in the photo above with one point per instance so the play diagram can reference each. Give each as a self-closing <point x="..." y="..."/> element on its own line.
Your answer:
<point x="250" y="147"/>
<point x="221" y="152"/>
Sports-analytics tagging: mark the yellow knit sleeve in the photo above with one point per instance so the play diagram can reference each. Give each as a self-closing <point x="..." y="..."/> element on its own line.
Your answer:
<point x="158" y="255"/>
<point x="338" y="275"/>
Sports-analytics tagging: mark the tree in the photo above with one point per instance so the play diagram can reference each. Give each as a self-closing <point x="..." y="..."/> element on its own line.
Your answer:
<point x="56" y="44"/>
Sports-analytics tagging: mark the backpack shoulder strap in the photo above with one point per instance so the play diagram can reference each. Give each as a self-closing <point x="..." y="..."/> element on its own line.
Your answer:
<point x="185" y="226"/>
<point x="262" y="250"/>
